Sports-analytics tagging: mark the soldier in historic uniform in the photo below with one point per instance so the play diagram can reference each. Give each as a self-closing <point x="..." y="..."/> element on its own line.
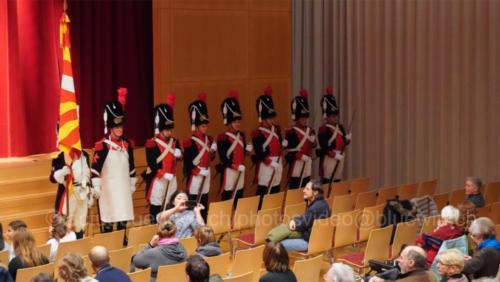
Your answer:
<point x="232" y="148"/>
<point x="162" y="152"/>
<point x="199" y="150"/>
<point x="113" y="169"/>
<point x="267" y="141"/>
<point x="332" y="138"/>
<point x="301" y="140"/>
<point x="72" y="173"/>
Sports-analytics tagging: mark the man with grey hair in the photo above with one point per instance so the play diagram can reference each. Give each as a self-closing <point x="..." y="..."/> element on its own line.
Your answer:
<point x="413" y="265"/>
<point x="339" y="272"/>
<point x="472" y="189"/>
<point x="99" y="257"/>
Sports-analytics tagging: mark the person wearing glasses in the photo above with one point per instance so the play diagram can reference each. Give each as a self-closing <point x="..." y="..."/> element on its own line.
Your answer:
<point x="450" y="265"/>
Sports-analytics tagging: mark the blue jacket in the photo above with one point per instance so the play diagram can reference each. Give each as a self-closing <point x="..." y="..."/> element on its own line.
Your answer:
<point x="316" y="210"/>
<point x="491" y="242"/>
<point x="111" y="274"/>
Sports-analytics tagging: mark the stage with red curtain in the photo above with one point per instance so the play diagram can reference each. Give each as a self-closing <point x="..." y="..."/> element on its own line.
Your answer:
<point x="111" y="46"/>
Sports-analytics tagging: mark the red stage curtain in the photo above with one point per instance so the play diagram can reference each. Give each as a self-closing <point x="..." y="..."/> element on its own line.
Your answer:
<point x="111" y="47"/>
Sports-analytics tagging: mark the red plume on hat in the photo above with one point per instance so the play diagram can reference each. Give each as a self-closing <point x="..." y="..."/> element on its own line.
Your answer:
<point x="202" y="96"/>
<point x="122" y="95"/>
<point x="234" y="94"/>
<point x="329" y="90"/>
<point x="171" y="99"/>
<point x="268" y="91"/>
<point x="304" y="93"/>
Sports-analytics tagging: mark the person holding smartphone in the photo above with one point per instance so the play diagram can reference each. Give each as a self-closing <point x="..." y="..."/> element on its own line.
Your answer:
<point x="185" y="214"/>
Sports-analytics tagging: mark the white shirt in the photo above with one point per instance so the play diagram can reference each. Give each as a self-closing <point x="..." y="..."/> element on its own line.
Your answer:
<point x="54" y="244"/>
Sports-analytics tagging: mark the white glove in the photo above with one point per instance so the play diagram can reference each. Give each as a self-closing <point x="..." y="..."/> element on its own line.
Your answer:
<point x="284" y="143"/>
<point x="177" y="153"/>
<point x="133" y="181"/>
<point x="213" y="148"/>
<point x="168" y="176"/>
<point x="249" y="148"/>
<point x="60" y="174"/>
<point x="241" y="168"/>
<point x="338" y="156"/>
<point x="274" y="165"/>
<point x="96" y="192"/>
<point x="349" y="136"/>
<point x="305" y="158"/>
<point x="204" y="172"/>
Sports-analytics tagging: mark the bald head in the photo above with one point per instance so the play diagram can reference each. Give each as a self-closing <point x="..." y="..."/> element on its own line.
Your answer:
<point x="412" y="258"/>
<point x="99" y="257"/>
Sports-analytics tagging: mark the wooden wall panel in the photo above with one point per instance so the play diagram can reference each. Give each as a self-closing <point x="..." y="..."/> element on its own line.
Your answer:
<point x="218" y="45"/>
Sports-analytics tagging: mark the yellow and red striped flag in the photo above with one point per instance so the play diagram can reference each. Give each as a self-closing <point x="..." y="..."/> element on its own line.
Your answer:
<point x="69" y="126"/>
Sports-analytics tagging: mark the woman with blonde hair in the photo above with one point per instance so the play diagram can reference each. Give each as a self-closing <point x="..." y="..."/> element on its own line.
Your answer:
<point x="27" y="254"/>
<point x="207" y="246"/>
<point x="59" y="232"/>
<point x="72" y="269"/>
<point x="450" y="266"/>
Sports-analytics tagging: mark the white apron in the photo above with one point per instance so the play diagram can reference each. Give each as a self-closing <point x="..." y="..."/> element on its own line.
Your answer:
<point x="195" y="183"/>
<point x="266" y="171"/>
<point x="230" y="176"/>
<point x="115" y="201"/>
<point x="329" y="165"/>
<point x="297" y="168"/>
<point x="158" y="189"/>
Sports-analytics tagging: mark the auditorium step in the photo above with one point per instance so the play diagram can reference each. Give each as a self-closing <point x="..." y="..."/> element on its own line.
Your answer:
<point x="26" y="203"/>
<point x="26" y="186"/>
<point x="34" y="219"/>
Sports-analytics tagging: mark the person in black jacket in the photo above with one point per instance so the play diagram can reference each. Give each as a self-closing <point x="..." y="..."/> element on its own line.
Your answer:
<point x="276" y="260"/>
<point x="162" y="152"/>
<point x="299" y="228"/>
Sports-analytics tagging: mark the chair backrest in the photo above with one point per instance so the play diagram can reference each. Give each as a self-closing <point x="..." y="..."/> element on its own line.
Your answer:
<point x="342" y="203"/>
<point x="429" y="223"/>
<point x="172" y="272"/>
<point x="294" y="196"/>
<point x="45" y="250"/>
<point x="110" y="240"/>
<point x="140" y="275"/>
<point x="339" y="188"/>
<point x="377" y="247"/>
<point x="246" y="213"/>
<point x="441" y="200"/>
<point x="491" y="192"/>
<point x="41" y="235"/>
<point x="308" y="270"/>
<point x="247" y="277"/>
<point x="406" y="234"/>
<point x="190" y="244"/>
<point x="321" y="236"/>
<point x="365" y="199"/>
<point x="427" y="188"/>
<point x="25" y="274"/>
<point x="293" y="210"/>
<point x="219" y="264"/>
<point x="272" y="201"/>
<point x="457" y="197"/>
<point x="385" y="194"/>
<point x="360" y="184"/>
<point x="81" y="247"/>
<point x="4" y="257"/>
<point x="121" y="258"/>
<point x="266" y="220"/>
<point x="495" y="212"/>
<point x="346" y="227"/>
<point x="370" y="219"/>
<point x="141" y="235"/>
<point x="497" y="229"/>
<point x="219" y="216"/>
<point x="408" y="191"/>
<point x="484" y="211"/>
<point x="249" y="260"/>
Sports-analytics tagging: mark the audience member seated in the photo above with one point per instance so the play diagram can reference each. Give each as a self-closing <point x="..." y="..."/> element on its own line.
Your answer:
<point x="207" y="246"/>
<point x="13" y="226"/>
<point x="472" y="189"/>
<point x="276" y="261"/>
<point x="468" y="213"/>
<point x="27" y="254"/>
<point x="185" y="219"/>
<point x="450" y="265"/>
<point x="4" y="274"/>
<point x="99" y="257"/>
<point x="72" y="269"/>
<point x="413" y="265"/>
<point x="339" y="272"/>
<point x="59" y="233"/>
<point x="486" y="258"/>
<point x="42" y="277"/>
<point x="163" y="249"/>
<point x="295" y="236"/>
<point x="198" y="270"/>
<point x="447" y="229"/>
<point x="4" y="246"/>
